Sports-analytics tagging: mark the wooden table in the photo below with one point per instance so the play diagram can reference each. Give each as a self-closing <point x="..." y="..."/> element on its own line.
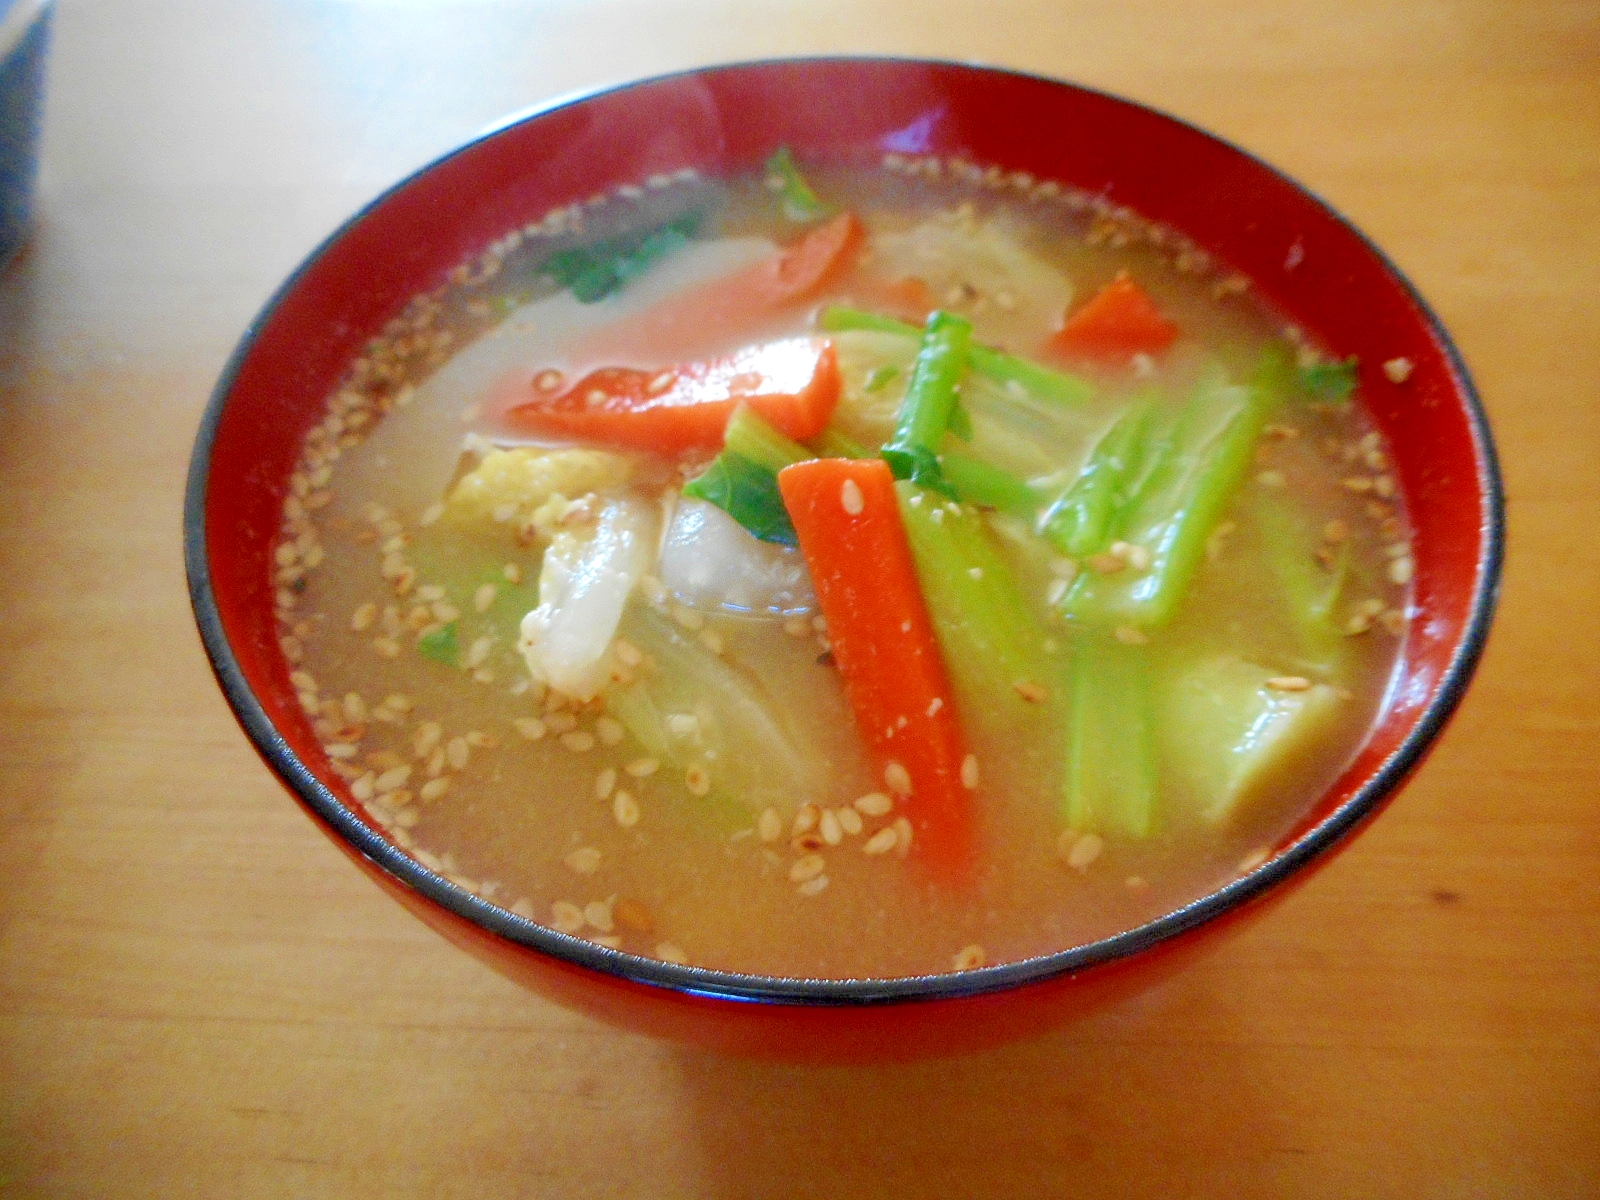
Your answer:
<point x="199" y="996"/>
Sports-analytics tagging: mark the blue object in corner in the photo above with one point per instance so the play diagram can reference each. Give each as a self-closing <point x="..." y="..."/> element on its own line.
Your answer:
<point x="24" y="38"/>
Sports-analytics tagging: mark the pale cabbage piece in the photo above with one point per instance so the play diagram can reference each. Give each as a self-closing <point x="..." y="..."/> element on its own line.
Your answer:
<point x="710" y="562"/>
<point x="588" y="573"/>
<point x="1231" y="737"/>
<point x="1015" y="293"/>
<point x="511" y="486"/>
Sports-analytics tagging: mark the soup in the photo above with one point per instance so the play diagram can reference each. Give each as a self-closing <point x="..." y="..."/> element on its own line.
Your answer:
<point x="842" y="573"/>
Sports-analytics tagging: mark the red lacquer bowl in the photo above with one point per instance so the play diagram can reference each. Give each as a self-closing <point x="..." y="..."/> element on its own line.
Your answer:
<point x="1321" y="272"/>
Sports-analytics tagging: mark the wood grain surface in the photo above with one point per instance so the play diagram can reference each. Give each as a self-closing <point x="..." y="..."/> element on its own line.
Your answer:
<point x="200" y="997"/>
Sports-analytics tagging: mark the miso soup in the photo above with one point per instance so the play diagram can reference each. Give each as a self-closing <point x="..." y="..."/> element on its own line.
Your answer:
<point x="842" y="573"/>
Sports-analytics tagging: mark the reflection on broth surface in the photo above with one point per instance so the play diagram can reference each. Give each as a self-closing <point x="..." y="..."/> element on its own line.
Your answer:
<point x="841" y="574"/>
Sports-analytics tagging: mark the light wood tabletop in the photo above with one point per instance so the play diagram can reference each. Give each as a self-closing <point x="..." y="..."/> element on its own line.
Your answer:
<point x="200" y="997"/>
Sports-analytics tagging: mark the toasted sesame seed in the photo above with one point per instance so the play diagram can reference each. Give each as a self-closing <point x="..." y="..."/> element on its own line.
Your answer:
<point x="362" y="788"/>
<point x="566" y="916"/>
<point x="812" y="886"/>
<point x="434" y="788"/>
<point x="579" y="741"/>
<point x="850" y="497"/>
<point x="559" y="721"/>
<point x="809" y="867"/>
<point x="392" y="779"/>
<point x="687" y="617"/>
<point x="667" y="952"/>
<point x="483" y="598"/>
<point x="625" y="809"/>
<point x="1398" y="370"/>
<point x="605" y="782"/>
<point x="969" y="772"/>
<point x="897" y="778"/>
<point x="585" y="860"/>
<point x="628" y="654"/>
<point x="1131" y="635"/>
<point x="598" y="914"/>
<point x="697" y="779"/>
<point x="609" y="730"/>
<point x="1272" y="479"/>
<point x="643" y="768"/>
<point x="361" y="620"/>
<point x="903" y="834"/>
<point x="340" y="750"/>
<point x="881" y="842"/>
<point x="386" y="647"/>
<point x="874" y="804"/>
<point x="512" y="573"/>
<point x="1105" y="563"/>
<point x="1401" y="571"/>
<point x="797" y="627"/>
<point x="430" y="593"/>
<point x="806" y="819"/>
<point x="849" y="820"/>
<point x="529" y="727"/>
<point x="828" y="826"/>
<point x="633" y="916"/>
<point x="479" y="651"/>
<point x="769" y="825"/>
<point x="1030" y="691"/>
<point x="431" y="514"/>
<point x="1289" y="683"/>
<point x="456" y="753"/>
<point x="1084" y="851"/>
<point x="1393" y="620"/>
<point x="968" y="958"/>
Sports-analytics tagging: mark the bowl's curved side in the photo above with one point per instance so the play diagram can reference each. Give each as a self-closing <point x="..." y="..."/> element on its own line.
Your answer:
<point x="1316" y="267"/>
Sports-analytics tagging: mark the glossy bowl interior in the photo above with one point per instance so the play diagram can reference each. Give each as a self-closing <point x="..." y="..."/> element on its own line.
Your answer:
<point x="1306" y="259"/>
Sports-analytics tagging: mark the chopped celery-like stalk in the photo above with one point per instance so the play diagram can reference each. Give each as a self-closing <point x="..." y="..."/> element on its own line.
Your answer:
<point x="1079" y="523"/>
<point x="1308" y="591"/>
<point x="830" y="443"/>
<point x="743" y="479"/>
<point x="995" y="365"/>
<point x="912" y="453"/>
<point x="695" y="708"/>
<point x="979" y="483"/>
<point x="594" y="271"/>
<point x="990" y="638"/>
<point x="1227" y="734"/>
<point x="1186" y="481"/>
<point x="1110" y="781"/>
<point x="800" y="203"/>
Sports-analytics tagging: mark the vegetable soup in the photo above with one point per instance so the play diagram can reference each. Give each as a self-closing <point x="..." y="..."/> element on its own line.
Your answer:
<point x="842" y="573"/>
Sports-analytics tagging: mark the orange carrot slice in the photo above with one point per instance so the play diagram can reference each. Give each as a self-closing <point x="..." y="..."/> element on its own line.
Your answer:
<point x="1120" y="321"/>
<point x="793" y="384"/>
<point x="848" y="523"/>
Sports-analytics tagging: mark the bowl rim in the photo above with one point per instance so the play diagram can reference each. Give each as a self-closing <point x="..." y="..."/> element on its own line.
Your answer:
<point x="341" y="821"/>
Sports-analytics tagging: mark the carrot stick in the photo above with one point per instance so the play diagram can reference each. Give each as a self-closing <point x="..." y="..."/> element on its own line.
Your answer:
<point x="792" y="384"/>
<point x="847" y="519"/>
<point x="1117" y="323"/>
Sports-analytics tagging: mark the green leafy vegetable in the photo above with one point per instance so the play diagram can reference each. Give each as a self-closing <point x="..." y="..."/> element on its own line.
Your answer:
<point x="800" y="203"/>
<point x="1079" y="523"/>
<point x="593" y="272"/>
<point x="441" y="645"/>
<point x="743" y="479"/>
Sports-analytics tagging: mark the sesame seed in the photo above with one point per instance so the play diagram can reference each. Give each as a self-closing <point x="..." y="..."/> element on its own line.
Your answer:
<point x="628" y="654"/>
<point x="585" y="860"/>
<point x="392" y="779"/>
<point x="1105" y="563"/>
<point x="579" y="741"/>
<point x="806" y="819"/>
<point x="633" y="915"/>
<point x="1253" y="860"/>
<point x="566" y="917"/>
<point x="483" y="598"/>
<point x="362" y="788"/>
<point x="431" y="514"/>
<point x="873" y="804"/>
<point x="769" y="825"/>
<point x="434" y="788"/>
<point x="812" y="886"/>
<point x="1272" y="479"/>
<point x="1130" y="635"/>
<point x="604" y="782"/>
<point x="849" y="820"/>
<point x="897" y="778"/>
<point x="1084" y="851"/>
<point x="479" y="651"/>
<point x="1398" y="370"/>
<point x="625" y="809"/>
<point x="968" y="958"/>
<point x="529" y="727"/>
<point x="1030" y="691"/>
<point x="609" y="730"/>
<point x="809" y="867"/>
<point x="850" y="497"/>
<point x="903" y="834"/>
<point x="598" y="914"/>
<point x="687" y="617"/>
<point x="667" y="952"/>
<point x="1401" y="571"/>
<point x="457" y="753"/>
<point x="1289" y="683"/>
<point x="969" y="772"/>
<point x="881" y="842"/>
<point x="643" y="768"/>
<point x="361" y="620"/>
<point x="560" y="722"/>
<point x="340" y="750"/>
<point x="828" y="826"/>
<point x="697" y="779"/>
